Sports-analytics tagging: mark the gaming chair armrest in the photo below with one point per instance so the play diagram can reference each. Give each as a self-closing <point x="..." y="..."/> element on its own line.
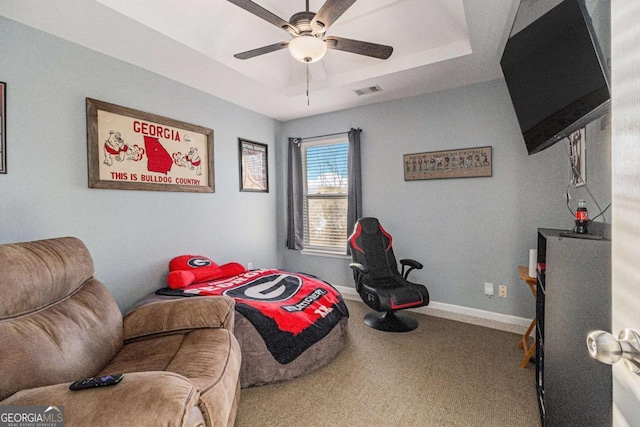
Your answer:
<point x="412" y="263"/>
<point x="359" y="271"/>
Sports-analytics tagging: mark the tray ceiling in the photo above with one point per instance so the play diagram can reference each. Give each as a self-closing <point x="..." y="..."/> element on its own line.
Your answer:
<point x="438" y="44"/>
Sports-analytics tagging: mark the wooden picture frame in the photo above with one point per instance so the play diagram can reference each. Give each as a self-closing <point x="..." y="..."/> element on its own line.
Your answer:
<point x="463" y="163"/>
<point x="3" y="127"/>
<point x="129" y="149"/>
<point x="254" y="167"/>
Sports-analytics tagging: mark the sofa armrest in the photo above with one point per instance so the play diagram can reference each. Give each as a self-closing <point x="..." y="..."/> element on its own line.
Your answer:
<point x="140" y="399"/>
<point x="179" y="315"/>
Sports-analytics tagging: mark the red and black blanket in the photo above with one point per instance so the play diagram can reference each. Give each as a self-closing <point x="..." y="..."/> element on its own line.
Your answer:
<point x="290" y="311"/>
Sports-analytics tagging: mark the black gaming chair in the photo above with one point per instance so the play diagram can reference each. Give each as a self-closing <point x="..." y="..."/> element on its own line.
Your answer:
<point x="378" y="281"/>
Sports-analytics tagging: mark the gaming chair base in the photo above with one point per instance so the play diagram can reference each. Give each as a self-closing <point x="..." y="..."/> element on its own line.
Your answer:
<point x="390" y="322"/>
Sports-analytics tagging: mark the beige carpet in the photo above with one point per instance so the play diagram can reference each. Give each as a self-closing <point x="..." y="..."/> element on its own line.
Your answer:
<point x="444" y="373"/>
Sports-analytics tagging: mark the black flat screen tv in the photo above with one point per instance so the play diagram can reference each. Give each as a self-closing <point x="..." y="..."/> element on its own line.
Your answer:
<point x="554" y="72"/>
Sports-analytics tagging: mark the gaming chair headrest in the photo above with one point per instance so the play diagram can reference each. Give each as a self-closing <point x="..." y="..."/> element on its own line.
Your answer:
<point x="370" y="225"/>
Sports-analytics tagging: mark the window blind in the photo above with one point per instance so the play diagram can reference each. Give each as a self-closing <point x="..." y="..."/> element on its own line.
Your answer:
<point x="325" y="185"/>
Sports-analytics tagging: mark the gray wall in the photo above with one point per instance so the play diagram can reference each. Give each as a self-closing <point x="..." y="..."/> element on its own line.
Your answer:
<point x="132" y="234"/>
<point x="465" y="231"/>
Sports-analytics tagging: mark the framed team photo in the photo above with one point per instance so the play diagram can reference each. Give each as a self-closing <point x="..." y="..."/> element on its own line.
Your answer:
<point x="134" y="150"/>
<point x="462" y="163"/>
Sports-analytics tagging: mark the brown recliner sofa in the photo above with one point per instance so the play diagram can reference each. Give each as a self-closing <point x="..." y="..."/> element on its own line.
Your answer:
<point x="58" y="324"/>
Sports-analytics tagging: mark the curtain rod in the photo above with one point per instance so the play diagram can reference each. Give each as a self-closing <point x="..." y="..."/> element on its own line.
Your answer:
<point x="330" y="134"/>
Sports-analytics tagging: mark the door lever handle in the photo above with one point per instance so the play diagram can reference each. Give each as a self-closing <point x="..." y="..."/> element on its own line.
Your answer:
<point x="608" y="349"/>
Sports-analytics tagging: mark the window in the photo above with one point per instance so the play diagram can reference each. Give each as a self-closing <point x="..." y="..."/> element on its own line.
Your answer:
<point x="325" y="187"/>
<point x="324" y="191"/>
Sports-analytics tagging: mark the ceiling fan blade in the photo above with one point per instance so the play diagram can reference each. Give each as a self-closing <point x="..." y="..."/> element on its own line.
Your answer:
<point x="329" y="13"/>
<point x="263" y="13"/>
<point x="261" y="50"/>
<point x="359" y="47"/>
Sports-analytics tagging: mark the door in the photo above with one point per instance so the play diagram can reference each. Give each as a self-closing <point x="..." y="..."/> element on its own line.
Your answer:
<point x="625" y="165"/>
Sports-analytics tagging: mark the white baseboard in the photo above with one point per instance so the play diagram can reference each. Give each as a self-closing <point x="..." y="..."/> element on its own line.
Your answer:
<point x="489" y="319"/>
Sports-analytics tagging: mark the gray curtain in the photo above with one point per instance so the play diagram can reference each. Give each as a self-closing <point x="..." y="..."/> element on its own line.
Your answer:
<point x="354" y="195"/>
<point x="295" y="225"/>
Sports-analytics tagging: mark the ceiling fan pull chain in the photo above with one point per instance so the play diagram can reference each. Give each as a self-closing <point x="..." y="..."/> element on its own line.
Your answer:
<point x="307" y="85"/>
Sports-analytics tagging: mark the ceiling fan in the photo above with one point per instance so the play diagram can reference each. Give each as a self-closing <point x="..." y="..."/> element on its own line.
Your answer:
<point x="308" y="29"/>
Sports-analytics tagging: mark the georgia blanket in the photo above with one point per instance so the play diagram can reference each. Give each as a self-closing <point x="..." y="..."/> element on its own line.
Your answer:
<point x="290" y="311"/>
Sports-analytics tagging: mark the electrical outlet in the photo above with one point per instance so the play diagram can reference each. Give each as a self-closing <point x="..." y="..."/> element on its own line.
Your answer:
<point x="502" y="291"/>
<point x="488" y="289"/>
<point x="249" y="266"/>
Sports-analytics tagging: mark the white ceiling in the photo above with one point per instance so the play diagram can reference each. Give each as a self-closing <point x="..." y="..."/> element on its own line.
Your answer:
<point x="438" y="44"/>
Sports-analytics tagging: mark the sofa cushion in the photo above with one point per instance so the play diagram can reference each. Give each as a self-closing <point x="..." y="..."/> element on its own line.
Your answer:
<point x="71" y="339"/>
<point x="57" y="323"/>
<point x="209" y="358"/>
<point x="145" y="399"/>
<point x="35" y="274"/>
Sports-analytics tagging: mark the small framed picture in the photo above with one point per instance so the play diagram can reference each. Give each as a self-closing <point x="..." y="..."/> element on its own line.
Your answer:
<point x="578" y="156"/>
<point x="254" y="169"/>
<point x="3" y="127"/>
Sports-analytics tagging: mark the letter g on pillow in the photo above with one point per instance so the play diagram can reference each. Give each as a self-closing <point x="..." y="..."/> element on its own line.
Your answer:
<point x="185" y="270"/>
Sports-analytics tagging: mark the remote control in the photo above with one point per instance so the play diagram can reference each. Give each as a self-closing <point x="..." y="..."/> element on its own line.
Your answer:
<point x="94" y="382"/>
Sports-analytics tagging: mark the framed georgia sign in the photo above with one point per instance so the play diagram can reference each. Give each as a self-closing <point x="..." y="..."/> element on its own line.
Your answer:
<point x="133" y="150"/>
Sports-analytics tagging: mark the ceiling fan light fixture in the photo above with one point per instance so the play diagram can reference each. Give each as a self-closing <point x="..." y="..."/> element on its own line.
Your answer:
<point x="307" y="48"/>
